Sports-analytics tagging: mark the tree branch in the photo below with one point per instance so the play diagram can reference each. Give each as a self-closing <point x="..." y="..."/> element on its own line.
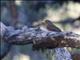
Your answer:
<point x="39" y="38"/>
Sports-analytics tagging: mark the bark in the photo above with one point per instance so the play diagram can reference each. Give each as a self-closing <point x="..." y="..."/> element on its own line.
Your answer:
<point x="39" y="37"/>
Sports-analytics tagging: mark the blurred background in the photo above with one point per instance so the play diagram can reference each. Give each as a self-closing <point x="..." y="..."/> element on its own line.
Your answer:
<point x="65" y="14"/>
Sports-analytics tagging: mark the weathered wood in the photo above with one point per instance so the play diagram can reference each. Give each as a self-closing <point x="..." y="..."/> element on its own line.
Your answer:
<point x="40" y="38"/>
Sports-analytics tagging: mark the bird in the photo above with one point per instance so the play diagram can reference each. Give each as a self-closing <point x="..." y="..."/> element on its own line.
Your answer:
<point x="51" y="27"/>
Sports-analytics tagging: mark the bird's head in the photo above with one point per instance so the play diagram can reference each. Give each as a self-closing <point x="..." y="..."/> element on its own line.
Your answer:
<point x="48" y="22"/>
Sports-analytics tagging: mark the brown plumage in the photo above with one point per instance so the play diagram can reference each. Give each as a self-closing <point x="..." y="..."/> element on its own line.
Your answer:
<point x="51" y="27"/>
